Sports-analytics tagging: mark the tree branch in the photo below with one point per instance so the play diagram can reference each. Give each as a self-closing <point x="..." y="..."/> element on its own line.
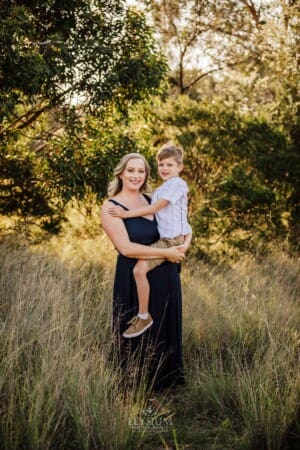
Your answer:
<point x="217" y="69"/>
<point x="30" y="116"/>
<point x="249" y="5"/>
<point x="202" y="75"/>
<point x="25" y="119"/>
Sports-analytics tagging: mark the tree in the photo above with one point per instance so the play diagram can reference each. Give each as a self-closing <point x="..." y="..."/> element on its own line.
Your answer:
<point x="206" y="36"/>
<point x="243" y="174"/>
<point x="61" y="58"/>
<point x="252" y="52"/>
<point x="53" y="52"/>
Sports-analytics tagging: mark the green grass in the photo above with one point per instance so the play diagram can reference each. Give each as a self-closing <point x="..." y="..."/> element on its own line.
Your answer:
<point x="60" y="388"/>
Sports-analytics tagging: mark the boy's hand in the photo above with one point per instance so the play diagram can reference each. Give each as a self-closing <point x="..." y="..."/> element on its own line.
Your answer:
<point x="117" y="211"/>
<point x="182" y="248"/>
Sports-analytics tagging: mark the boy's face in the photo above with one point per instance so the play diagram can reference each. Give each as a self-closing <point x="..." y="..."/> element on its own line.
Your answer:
<point x="169" y="168"/>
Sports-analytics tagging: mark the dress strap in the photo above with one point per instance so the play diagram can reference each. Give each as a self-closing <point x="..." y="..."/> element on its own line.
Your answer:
<point x="117" y="203"/>
<point x="125" y="207"/>
<point x="147" y="198"/>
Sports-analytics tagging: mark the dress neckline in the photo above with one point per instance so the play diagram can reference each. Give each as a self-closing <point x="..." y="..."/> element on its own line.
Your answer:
<point x="127" y="209"/>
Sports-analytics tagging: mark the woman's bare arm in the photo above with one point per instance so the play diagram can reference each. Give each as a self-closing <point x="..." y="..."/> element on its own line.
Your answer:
<point x="117" y="233"/>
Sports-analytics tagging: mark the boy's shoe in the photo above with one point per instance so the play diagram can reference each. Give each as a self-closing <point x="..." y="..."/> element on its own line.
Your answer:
<point x="137" y="326"/>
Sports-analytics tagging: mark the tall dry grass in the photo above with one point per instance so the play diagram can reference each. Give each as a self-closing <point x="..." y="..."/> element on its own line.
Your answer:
<point x="60" y="389"/>
<point x="242" y="332"/>
<point x="58" y="384"/>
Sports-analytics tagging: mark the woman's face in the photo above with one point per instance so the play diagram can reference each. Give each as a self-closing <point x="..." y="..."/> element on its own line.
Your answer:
<point x="134" y="174"/>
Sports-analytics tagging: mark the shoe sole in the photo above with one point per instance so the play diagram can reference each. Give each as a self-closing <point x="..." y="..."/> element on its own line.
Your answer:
<point x="139" y="332"/>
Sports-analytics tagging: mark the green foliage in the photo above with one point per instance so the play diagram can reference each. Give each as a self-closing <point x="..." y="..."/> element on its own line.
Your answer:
<point x="100" y="51"/>
<point x="39" y="183"/>
<point x="68" y="110"/>
<point x="85" y="161"/>
<point x="22" y="191"/>
<point x="242" y="192"/>
<point x="243" y="175"/>
<point x="55" y="55"/>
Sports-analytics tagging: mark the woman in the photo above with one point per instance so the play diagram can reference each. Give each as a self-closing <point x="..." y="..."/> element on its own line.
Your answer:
<point x="160" y="347"/>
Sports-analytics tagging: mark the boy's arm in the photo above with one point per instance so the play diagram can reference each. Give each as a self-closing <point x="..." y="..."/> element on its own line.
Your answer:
<point x="187" y="241"/>
<point x="117" y="211"/>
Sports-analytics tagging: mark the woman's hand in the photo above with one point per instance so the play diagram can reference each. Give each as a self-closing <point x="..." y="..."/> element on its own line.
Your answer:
<point x="117" y="211"/>
<point x="175" y="254"/>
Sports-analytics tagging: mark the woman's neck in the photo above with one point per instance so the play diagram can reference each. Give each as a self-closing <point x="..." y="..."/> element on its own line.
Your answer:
<point x="130" y="195"/>
<point x="131" y="199"/>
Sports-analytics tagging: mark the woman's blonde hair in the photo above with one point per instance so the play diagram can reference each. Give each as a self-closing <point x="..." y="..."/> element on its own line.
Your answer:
<point x="115" y="186"/>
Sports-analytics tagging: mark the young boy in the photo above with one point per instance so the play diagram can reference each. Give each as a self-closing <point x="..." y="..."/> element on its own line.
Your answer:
<point x="169" y="204"/>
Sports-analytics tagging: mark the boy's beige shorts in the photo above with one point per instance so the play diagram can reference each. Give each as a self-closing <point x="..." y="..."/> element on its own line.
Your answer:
<point x="164" y="243"/>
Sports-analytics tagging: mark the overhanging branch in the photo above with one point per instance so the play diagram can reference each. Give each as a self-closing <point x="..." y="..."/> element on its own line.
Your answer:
<point x="32" y="114"/>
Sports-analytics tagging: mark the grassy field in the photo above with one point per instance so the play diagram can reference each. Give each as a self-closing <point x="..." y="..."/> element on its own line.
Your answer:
<point x="60" y="390"/>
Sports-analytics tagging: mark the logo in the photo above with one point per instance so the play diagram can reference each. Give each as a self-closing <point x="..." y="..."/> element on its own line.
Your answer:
<point x="154" y="418"/>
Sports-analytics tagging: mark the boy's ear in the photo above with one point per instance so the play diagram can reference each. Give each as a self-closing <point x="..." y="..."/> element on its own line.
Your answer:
<point x="181" y="167"/>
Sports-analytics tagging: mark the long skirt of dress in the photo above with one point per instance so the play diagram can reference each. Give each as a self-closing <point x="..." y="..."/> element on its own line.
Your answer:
<point x="158" y="351"/>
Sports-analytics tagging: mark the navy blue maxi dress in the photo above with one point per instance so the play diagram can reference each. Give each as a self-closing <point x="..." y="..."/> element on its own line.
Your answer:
<point x="158" y="351"/>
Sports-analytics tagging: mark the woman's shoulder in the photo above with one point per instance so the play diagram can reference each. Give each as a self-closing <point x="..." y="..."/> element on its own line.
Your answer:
<point x="106" y="204"/>
<point x="113" y="201"/>
<point x="110" y="200"/>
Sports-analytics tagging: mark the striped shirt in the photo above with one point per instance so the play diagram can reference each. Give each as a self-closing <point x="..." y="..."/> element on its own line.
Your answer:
<point x="172" y="219"/>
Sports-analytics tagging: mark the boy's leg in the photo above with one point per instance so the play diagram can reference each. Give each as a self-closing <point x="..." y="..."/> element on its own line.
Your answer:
<point x="142" y="284"/>
<point x="163" y="243"/>
<point x="143" y="320"/>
